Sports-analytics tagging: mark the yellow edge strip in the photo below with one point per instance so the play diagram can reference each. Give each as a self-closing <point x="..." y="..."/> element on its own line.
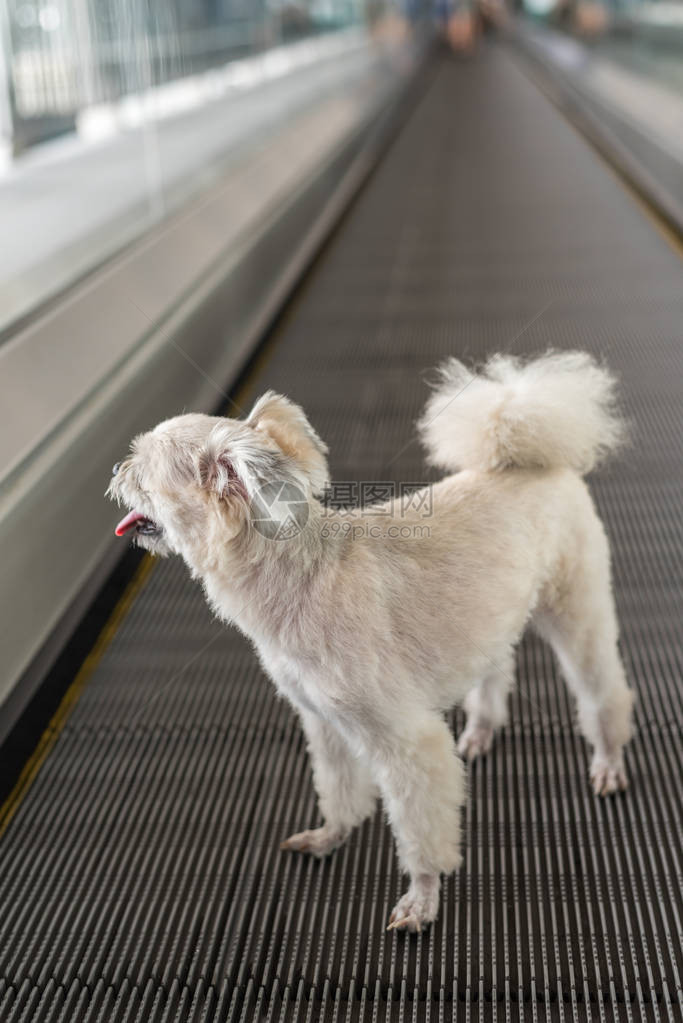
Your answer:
<point x="58" y="720"/>
<point x="659" y="222"/>
<point x="638" y="194"/>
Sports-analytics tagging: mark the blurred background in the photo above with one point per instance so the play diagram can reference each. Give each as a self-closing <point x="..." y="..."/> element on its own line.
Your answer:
<point x="113" y="112"/>
<point x="148" y="88"/>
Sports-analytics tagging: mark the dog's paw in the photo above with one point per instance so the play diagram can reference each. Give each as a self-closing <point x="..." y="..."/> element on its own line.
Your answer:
<point x="318" y="841"/>
<point x="475" y="741"/>
<point x="607" y="778"/>
<point x="416" y="909"/>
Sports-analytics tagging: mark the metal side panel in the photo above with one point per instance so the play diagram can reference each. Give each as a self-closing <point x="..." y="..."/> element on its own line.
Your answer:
<point x="140" y="876"/>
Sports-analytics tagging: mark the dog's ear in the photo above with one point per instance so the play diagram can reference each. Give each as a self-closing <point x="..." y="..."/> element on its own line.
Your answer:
<point x="218" y="473"/>
<point x="219" y="470"/>
<point x="286" y="424"/>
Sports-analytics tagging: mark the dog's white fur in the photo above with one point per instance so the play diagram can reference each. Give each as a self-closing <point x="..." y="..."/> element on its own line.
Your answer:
<point x="372" y="636"/>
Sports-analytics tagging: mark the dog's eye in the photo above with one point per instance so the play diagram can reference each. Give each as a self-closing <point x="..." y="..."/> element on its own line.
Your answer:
<point x="115" y="468"/>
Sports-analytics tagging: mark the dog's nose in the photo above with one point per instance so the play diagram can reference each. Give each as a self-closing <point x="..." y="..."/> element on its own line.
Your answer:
<point x="115" y="469"/>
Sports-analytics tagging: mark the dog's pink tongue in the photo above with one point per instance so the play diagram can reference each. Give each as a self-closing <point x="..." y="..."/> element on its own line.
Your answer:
<point x="128" y="522"/>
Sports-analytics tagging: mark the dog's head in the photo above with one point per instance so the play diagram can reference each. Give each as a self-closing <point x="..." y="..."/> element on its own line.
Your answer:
<point x="196" y="482"/>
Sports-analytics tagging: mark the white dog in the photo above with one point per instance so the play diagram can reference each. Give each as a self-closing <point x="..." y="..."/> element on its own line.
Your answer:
<point x="373" y="632"/>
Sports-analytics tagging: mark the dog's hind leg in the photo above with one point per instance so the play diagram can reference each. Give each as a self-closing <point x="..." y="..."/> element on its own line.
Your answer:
<point x="487" y="708"/>
<point x="346" y="791"/>
<point x="582" y="629"/>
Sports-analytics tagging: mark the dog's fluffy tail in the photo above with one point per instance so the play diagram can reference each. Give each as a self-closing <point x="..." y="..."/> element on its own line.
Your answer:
<point x="556" y="410"/>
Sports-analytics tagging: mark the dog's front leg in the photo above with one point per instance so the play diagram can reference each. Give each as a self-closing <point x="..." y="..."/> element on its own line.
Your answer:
<point x="346" y="791"/>
<point x="423" y="787"/>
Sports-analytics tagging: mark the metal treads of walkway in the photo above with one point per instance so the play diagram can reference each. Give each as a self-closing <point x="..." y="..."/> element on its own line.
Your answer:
<point x="140" y="877"/>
